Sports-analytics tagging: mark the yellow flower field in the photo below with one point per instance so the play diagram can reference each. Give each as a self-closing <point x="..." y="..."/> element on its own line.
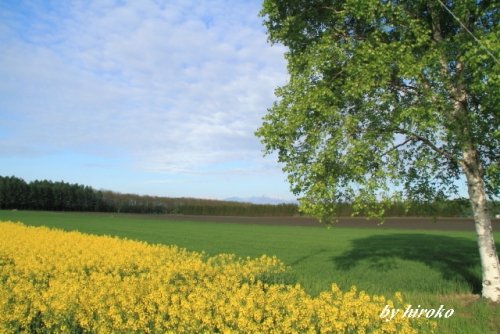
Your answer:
<point x="53" y="281"/>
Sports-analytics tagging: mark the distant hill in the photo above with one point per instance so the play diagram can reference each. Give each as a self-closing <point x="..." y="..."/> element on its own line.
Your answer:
<point x="260" y="200"/>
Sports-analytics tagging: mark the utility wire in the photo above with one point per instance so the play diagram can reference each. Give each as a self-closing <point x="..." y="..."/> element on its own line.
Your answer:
<point x="470" y="33"/>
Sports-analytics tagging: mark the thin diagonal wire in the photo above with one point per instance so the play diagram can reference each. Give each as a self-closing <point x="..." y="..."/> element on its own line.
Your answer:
<point x="470" y="33"/>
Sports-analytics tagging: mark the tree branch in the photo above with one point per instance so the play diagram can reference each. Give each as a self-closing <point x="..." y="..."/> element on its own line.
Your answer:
<point x="398" y="145"/>
<point x="431" y="145"/>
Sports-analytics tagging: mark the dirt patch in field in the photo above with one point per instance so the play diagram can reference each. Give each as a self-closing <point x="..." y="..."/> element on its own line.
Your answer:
<point x="410" y="223"/>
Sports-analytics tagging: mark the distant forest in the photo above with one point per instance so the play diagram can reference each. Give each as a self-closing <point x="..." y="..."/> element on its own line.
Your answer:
<point x="15" y="193"/>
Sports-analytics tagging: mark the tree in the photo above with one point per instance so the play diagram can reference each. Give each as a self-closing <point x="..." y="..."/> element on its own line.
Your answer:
<point x="14" y="193"/>
<point x="389" y="100"/>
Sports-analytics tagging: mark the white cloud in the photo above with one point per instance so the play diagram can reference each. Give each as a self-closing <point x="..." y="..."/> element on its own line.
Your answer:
<point x="177" y="87"/>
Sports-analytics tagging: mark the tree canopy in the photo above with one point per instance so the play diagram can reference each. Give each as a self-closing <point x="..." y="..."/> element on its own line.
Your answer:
<point x="385" y="99"/>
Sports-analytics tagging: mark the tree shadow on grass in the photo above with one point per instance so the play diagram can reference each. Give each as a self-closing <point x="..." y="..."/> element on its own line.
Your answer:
<point x="308" y="256"/>
<point x="454" y="258"/>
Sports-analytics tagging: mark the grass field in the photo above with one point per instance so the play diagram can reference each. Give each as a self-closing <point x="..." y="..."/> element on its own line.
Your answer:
<point x="430" y="268"/>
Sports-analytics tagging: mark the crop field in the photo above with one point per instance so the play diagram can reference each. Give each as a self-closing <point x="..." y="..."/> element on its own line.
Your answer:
<point x="429" y="268"/>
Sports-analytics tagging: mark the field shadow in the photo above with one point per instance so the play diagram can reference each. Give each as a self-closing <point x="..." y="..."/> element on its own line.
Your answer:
<point x="308" y="256"/>
<point x="454" y="258"/>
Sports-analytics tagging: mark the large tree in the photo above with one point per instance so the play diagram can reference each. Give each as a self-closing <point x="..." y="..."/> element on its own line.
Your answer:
<point x="389" y="99"/>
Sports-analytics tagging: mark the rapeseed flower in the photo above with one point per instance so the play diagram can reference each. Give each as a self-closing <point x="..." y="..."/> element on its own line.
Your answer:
<point x="53" y="281"/>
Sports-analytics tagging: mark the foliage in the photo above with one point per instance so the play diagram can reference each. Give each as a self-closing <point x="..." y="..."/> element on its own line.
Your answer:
<point x="383" y="99"/>
<point x="15" y="193"/>
<point x="55" y="281"/>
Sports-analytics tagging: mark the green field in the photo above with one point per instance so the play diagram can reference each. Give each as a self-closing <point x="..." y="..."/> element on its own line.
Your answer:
<point x="430" y="268"/>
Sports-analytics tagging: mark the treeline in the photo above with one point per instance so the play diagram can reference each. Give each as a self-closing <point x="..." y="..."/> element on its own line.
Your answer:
<point x="15" y="193"/>
<point x="192" y="206"/>
<point x="459" y="207"/>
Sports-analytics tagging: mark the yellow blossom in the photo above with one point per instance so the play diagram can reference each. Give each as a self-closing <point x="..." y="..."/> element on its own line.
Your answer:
<point x="64" y="282"/>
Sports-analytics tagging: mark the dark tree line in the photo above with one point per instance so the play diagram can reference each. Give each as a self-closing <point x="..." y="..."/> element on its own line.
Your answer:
<point x="15" y="193"/>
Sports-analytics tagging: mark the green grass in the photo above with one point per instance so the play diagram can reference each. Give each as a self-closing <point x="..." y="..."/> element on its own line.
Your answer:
<point x="430" y="268"/>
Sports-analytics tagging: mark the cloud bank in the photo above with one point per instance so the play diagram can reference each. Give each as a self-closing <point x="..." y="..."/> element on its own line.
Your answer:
<point x="176" y="87"/>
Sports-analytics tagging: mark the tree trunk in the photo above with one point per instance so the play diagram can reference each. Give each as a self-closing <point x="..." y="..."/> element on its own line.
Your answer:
<point x="487" y="250"/>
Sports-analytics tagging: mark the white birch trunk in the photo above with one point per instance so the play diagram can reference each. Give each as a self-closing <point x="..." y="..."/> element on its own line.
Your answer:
<point x="487" y="250"/>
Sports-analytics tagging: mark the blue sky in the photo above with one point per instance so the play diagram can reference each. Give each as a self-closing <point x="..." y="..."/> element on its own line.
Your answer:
<point x="147" y="97"/>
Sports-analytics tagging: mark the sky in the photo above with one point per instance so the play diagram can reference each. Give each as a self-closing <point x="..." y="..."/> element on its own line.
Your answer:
<point x="147" y="97"/>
